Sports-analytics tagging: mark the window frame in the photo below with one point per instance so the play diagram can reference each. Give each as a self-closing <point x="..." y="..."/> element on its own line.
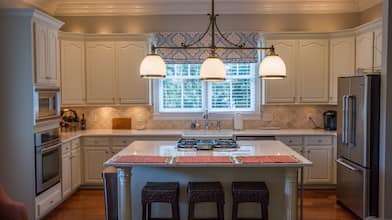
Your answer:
<point x="251" y="115"/>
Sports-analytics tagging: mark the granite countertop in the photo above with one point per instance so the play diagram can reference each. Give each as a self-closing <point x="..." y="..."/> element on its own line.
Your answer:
<point x="246" y="148"/>
<point x="68" y="136"/>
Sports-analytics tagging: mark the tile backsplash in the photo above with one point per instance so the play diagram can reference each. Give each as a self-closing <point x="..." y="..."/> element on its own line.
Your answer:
<point x="285" y="117"/>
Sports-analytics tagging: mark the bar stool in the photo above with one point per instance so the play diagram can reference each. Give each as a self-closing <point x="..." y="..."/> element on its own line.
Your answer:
<point x="161" y="193"/>
<point x="245" y="192"/>
<point x="206" y="192"/>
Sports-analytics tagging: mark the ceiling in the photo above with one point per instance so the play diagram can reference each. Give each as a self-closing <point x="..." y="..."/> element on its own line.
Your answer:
<point x="181" y="7"/>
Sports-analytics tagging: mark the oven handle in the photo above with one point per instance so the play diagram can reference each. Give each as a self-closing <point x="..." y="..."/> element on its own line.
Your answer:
<point x="52" y="148"/>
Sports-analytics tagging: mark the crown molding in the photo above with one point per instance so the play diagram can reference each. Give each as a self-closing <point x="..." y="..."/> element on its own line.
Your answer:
<point x="191" y="7"/>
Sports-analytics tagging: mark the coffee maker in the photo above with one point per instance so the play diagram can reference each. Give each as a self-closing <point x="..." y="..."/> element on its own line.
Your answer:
<point x="330" y="120"/>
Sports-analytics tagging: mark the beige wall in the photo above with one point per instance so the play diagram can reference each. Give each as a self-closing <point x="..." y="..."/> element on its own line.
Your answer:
<point x="371" y="14"/>
<point x="263" y="23"/>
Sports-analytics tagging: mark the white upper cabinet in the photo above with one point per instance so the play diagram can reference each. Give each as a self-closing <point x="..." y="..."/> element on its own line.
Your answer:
<point x="45" y="54"/>
<point x="364" y="50"/>
<point x="72" y="72"/>
<point x="377" y="48"/>
<point x="100" y="72"/>
<point x="283" y="90"/>
<point x="342" y="63"/>
<point x="40" y="40"/>
<point x="313" y="71"/>
<point x="131" y="88"/>
<point x="52" y="62"/>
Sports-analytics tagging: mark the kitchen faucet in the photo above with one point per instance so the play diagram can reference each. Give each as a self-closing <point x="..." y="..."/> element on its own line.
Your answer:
<point x="206" y="121"/>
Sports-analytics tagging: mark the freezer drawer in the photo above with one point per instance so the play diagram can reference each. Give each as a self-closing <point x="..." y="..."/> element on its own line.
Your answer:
<point x="352" y="185"/>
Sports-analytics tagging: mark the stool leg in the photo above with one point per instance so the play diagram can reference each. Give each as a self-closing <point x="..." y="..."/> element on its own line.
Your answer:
<point x="191" y="211"/>
<point x="221" y="211"/>
<point x="149" y="211"/>
<point x="144" y="211"/>
<point x="234" y="214"/>
<point x="264" y="211"/>
<point x="174" y="207"/>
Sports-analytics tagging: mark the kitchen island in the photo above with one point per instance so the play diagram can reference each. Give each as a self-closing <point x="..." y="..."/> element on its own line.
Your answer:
<point x="281" y="178"/>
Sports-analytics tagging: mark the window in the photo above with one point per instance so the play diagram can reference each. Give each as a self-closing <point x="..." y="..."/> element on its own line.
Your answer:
<point x="182" y="91"/>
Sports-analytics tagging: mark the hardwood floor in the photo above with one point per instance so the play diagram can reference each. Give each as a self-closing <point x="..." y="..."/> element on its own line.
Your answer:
<point x="89" y="205"/>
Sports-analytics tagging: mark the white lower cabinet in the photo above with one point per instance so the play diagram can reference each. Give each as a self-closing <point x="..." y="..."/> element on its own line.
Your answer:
<point x="66" y="180"/>
<point x="71" y="165"/>
<point x="94" y="157"/>
<point x="76" y="168"/>
<point x="319" y="150"/>
<point x="321" y="171"/>
<point x="47" y="201"/>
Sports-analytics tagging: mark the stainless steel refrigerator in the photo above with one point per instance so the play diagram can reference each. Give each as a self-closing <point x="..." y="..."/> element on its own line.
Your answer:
<point x="358" y="144"/>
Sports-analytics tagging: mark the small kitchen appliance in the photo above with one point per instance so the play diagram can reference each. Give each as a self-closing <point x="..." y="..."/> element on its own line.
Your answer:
<point x="330" y="120"/>
<point x="46" y="104"/>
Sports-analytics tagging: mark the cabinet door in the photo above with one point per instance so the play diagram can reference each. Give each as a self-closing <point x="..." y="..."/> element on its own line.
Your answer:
<point x="283" y="90"/>
<point x="66" y="174"/>
<point x="51" y="61"/>
<point x="40" y="53"/>
<point x="377" y="48"/>
<point x="75" y="164"/>
<point x="132" y="89"/>
<point x="72" y="72"/>
<point x="94" y="157"/>
<point x="364" y="50"/>
<point x="321" y="171"/>
<point x="100" y="72"/>
<point x="342" y="63"/>
<point x="313" y="71"/>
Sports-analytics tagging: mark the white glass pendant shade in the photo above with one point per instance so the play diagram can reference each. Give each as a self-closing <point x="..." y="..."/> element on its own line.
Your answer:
<point x="153" y="67"/>
<point x="272" y="67"/>
<point x="213" y="70"/>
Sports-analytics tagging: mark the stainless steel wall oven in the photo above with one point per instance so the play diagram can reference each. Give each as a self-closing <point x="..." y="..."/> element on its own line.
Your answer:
<point x="47" y="159"/>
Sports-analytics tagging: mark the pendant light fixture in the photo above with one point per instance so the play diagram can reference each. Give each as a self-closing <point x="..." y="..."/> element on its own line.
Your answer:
<point x="213" y="68"/>
<point x="272" y="66"/>
<point x="153" y="67"/>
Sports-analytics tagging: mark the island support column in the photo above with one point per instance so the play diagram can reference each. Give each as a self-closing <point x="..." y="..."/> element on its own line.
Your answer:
<point x="291" y="193"/>
<point x="124" y="193"/>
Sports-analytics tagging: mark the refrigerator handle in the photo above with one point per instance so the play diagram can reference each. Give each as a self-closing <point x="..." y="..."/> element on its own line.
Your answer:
<point x="353" y="117"/>
<point x="341" y="162"/>
<point x="345" y="120"/>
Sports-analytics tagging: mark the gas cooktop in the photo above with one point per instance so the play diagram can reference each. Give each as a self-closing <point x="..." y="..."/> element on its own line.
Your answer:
<point x="198" y="144"/>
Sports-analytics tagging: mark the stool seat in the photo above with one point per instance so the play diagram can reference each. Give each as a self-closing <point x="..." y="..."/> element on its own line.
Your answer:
<point x="244" y="192"/>
<point x="199" y="192"/>
<point x="205" y="192"/>
<point x="250" y="192"/>
<point x="161" y="192"/>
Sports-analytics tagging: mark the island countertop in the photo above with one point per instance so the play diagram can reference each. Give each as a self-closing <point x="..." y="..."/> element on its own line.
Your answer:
<point x="246" y="148"/>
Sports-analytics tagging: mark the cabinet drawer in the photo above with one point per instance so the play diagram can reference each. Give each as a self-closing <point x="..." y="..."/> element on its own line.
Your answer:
<point x="291" y="140"/>
<point x="122" y="141"/>
<point x="66" y="147"/>
<point x="318" y="140"/>
<point x="96" y="141"/>
<point x="75" y="144"/>
<point x="49" y="202"/>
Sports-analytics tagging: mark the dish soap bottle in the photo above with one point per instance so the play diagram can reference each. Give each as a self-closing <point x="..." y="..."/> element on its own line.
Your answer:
<point x="83" y="123"/>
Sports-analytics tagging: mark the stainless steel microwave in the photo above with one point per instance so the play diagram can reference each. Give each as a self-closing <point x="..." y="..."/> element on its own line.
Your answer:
<point x="46" y="104"/>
